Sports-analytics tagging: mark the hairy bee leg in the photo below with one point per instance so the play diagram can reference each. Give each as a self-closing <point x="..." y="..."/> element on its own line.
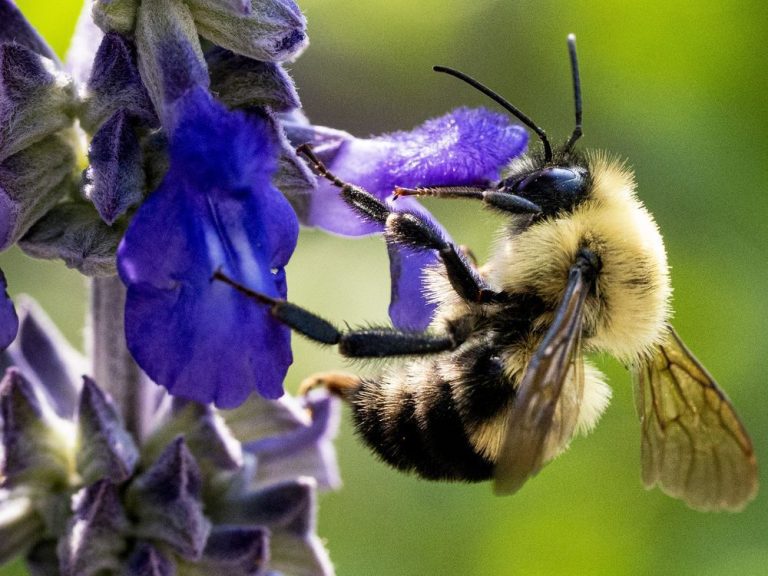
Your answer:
<point x="365" y="204"/>
<point x="375" y="342"/>
<point x="411" y="230"/>
<point x="502" y="201"/>
<point x="341" y="384"/>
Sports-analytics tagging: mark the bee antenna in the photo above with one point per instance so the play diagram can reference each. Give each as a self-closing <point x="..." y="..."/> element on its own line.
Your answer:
<point x="507" y="106"/>
<point x="576" y="92"/>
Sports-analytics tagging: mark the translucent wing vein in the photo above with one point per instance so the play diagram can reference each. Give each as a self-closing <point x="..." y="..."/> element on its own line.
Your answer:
<point x="693" y="445"/>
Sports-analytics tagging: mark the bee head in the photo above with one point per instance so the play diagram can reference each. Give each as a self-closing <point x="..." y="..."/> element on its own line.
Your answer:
<point x="551" y="188"/>
<point x="554" y="181"/>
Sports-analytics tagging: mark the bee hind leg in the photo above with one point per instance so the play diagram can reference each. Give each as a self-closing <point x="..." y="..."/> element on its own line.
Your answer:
<point x="341" y="384"/>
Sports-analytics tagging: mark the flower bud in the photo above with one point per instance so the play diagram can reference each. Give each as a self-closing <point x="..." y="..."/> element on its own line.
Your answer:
<point x="34" y="448"/>
<point x="171" y="58"/>
<point x="166" y="501"/>
<point x="105" y="448"/>
<point x="115" y="181"/>
<point x="242" y="7"/>
<point x="235" y="551"/>
<point x="94" y="537"/>
<point x="273" y="31"/>
<point x="205" y="433"/>
<point x="35" y="98"/>
<point x="115" y="84"/>
<point x="146" y="560"/>
<point x="117" y="15"/>
<point x="74" y="232"/>
<point x="241" y="82"/>
<point x="31" y="183"/>
<point x="9" y="321"/>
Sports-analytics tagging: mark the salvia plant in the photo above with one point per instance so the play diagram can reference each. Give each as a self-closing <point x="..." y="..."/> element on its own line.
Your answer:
<point x="160" y="151"/>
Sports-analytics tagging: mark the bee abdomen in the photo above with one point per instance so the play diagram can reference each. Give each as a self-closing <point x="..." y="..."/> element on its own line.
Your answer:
<point x="420" y="420"/>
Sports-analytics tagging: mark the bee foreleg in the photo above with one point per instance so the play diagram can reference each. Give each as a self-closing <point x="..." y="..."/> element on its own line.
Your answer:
<point x="501" y="200"/>
<point x="415" y="232"/>
<point x="410" y="230"/>
<point x="361" y="201"/>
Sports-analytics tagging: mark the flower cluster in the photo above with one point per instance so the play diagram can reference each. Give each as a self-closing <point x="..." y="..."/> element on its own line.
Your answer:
<point x="205" y="492"/>
<point x="187" y="184"/>
<point x="162" y="151"/>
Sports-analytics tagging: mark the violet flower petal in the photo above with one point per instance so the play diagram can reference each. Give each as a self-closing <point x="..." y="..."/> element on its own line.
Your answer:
<point x="9" y="321"/>
<point x="304" y="451"/>
<point x="465" y="147"/>
<point x="409" y="308"/>
<point x="216" y="208"/>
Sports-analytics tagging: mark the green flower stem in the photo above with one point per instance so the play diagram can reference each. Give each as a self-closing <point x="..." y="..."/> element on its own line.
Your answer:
<point x="113" y="367"/>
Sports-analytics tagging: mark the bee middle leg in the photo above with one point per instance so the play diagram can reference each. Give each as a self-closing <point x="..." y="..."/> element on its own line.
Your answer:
<point x="411" y="230"/>
<point x="374" y="342"/>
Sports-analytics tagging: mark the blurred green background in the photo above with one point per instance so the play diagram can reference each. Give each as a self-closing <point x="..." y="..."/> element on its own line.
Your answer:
<point x="678" y="88"/>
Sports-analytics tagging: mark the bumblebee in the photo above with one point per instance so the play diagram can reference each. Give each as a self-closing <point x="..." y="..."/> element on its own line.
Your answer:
<point x="498" y="385"/>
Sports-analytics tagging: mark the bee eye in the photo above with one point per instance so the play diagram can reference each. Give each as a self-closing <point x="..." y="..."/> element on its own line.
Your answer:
<point x="554" y="189"/>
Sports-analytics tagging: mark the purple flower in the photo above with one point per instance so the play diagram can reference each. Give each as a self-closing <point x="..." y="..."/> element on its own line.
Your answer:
<point x="215" y="209"/>
<point x="466" y="147"/>
<point x="187" y="498"/>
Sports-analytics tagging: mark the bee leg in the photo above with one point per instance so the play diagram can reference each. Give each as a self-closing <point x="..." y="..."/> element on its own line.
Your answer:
<point x="375" y="342"/>
<point x="341" y="384"/>
<point x="364" y="203"/>
<point x="413" y="231"/>
<point x="497" y="199"/>
<point x="416" y="233"/>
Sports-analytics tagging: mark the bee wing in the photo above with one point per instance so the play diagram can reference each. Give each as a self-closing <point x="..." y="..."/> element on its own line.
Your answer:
<point x="545" y="411"/>
<point x="694" y="446"/>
